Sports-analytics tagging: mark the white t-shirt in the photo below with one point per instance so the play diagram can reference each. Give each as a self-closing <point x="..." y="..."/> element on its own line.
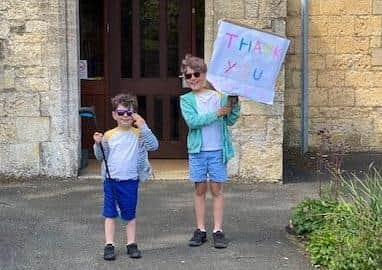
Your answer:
<point x="123" y="153"/>
<point x="206" y="102"/>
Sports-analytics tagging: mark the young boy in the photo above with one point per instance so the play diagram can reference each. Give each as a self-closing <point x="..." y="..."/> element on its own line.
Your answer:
<point x="124" y="150"/>
<point x="209" y="146"/>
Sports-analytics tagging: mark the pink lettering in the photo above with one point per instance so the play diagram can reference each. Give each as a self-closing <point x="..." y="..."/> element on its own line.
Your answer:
<point x="276" y="52"/>
<point x="231" y="35"/>
<point x="230" y="66"/>
<point x="257" y="47"/>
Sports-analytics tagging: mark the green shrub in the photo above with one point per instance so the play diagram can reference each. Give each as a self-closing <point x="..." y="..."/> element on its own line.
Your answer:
<point x="309" y="215"/>
<point x="336" y="249"/>
<point x="345" y="234"/>
<point x="363" y="249"/>
<point x="338" y="226"/>
<point x="322" y="245"/>
<point x="358" y="253"/>
<point x="366" y="197"/>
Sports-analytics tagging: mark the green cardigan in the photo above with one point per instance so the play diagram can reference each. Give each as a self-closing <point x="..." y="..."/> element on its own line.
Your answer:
<point x="195" y="122"/>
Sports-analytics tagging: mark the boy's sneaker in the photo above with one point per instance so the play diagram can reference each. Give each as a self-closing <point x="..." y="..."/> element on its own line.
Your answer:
<point x="219" y="240"/>
<point x="198" y="239"/>
<point x="133" y="251"/>
<point x="109" y="253"/>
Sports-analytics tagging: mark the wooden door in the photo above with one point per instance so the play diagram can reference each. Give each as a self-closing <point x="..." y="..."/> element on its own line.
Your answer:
<point x="150" y="37"/>
<point x="144" y="43"/>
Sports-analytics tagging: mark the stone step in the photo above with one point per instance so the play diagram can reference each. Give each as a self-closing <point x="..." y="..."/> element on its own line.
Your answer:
<point x="163" y="169"/>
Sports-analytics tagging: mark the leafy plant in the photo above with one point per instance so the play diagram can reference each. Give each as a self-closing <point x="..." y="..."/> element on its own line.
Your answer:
<point x="345" y="234"/>
<point x="338" y="227"/>
<point x="309" y="215"/>
<point x="362" y="252"/>
<point x="323" y="245"/>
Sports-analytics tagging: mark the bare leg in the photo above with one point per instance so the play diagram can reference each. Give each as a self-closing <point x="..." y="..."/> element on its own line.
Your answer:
<point x="130" y="231"/>
<point x="109" y="230"/>
<point x="218" y="204"/>
<point x="200" y="204"/>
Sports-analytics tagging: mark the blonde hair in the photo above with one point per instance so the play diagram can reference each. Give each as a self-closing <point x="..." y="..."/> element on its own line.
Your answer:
<point x="195" y="63"/>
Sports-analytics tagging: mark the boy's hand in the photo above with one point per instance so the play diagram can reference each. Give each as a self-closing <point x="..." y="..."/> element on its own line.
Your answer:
<point x="223" y="111"/>
<point x="98" y="137"/>
<point x="138" y="120"/>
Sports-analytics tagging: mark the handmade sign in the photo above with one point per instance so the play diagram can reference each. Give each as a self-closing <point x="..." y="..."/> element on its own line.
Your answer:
<point x="246" y="62"/>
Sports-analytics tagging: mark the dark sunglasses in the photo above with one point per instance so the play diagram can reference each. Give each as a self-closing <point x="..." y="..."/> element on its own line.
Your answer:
<point x="123" y="112"/>
<point x="189" y="75"/>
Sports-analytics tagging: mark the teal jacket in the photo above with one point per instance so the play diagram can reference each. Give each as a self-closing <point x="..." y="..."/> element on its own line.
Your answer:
<point x="195" y="122"/>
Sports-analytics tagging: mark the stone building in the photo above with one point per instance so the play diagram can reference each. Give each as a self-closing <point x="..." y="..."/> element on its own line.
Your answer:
<point x="137" y="45"/>
<point x="345" y="73"/>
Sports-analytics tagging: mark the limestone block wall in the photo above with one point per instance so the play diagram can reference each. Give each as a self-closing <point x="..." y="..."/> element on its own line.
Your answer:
<point x="345" y="72"/>
<point x="39" y="91"/>
<point x="258" y="135"/>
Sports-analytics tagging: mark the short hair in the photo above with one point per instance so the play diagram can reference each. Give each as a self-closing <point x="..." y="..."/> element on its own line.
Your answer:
<point x="195" y="63"/>
<point x="127" y="100"/>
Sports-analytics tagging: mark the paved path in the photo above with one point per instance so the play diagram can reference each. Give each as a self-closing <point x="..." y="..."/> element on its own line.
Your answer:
<point x="57" y="225"/>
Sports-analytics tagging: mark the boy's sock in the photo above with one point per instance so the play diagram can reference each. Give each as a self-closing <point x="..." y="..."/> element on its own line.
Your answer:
<point x="218" y="230"/>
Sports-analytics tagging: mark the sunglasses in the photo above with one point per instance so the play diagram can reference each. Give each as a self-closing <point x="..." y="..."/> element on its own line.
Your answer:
<point x="123" y="112"/>
<point x="189" y="75"/>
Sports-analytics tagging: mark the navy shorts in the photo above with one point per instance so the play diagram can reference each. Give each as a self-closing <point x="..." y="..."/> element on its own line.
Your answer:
<point x="207" y="165"/>
<point x="123" y="194"/>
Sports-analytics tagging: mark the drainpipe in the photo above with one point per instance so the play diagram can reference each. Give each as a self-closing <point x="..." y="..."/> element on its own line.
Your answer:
<point x="304" y="75"/>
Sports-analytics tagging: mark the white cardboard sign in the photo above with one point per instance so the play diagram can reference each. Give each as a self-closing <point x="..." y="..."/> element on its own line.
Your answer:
<point x="246" y="62"/>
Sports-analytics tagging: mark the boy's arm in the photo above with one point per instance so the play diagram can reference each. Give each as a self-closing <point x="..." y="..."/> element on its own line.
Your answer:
<point x="231" y="119"/>
<point x="192" y="118"/>
<point x="149" y="140"/>
<point x="98" y="152"/>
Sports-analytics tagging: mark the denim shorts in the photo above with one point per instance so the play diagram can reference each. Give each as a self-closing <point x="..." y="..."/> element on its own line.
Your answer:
<point x="207" y="165"/>
<point x="123" y="194"/>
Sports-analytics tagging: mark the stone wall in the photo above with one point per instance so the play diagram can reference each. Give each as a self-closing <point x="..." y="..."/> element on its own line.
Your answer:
<point x="258" y="135"/>
<point x="39" y="91"/>
<point x="345" y="73"/>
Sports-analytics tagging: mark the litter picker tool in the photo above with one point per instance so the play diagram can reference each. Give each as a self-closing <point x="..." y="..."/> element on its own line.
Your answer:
<point x="89" y="113"/>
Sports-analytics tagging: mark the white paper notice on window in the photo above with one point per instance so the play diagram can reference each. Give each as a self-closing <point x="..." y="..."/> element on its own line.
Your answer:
<point x="83" y="69"/>
<point x="246" y="62"/>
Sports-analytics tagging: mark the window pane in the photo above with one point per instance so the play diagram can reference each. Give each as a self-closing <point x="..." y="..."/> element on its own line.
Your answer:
<point x="200" y="28"/>
<point x="126" y="38"/>
<point x="142" y="108"/>
<point x="158" y="117"/>
<point x="149" y="24"/>
<point x="172" y="38"/>
<point x="91" y="36"/>
<point x="175" y="115"/>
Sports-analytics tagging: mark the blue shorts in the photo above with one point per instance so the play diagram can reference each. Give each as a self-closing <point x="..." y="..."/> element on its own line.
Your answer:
<point x="121" y="193"/>
<point x="207" y="165"/>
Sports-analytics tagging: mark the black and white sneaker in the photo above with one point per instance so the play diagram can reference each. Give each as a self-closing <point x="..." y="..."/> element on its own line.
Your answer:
<point x="219" y="240"/>
<point x="109" y="253"/>
<point x="198" y="238"/>
<point x="133" y="251"/>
